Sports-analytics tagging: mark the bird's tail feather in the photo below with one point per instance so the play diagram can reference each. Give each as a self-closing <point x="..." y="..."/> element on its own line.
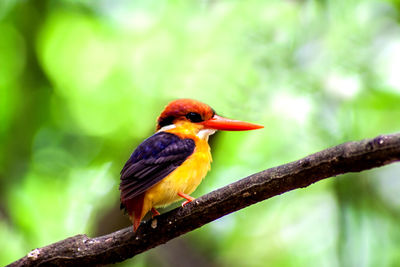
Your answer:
<point x="134" y="206"/>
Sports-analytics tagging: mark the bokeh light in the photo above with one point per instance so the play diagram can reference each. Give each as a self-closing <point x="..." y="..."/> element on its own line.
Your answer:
<point x="82" y="83"/>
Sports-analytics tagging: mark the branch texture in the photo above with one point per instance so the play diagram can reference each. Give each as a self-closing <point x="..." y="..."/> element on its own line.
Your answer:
<point x="115" y="247"/>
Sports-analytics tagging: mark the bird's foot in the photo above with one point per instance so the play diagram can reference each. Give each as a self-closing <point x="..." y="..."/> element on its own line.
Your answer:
<point x="154" y="213"/>
<point x="187" y="197"/>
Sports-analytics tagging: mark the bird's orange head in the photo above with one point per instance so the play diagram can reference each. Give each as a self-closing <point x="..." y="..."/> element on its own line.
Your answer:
<point x="202" y="114"/>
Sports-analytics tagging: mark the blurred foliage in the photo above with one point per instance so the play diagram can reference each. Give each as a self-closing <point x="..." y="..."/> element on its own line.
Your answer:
<point x="82" y="82"/>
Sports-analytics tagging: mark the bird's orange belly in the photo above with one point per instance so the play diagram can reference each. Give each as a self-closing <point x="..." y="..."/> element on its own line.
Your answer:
<point x="183" y="179"/>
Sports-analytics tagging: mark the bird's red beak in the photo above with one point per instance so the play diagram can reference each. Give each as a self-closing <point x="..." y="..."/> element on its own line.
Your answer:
<point x="221" y="123"/>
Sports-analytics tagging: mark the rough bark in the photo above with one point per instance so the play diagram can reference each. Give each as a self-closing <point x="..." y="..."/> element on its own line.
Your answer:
<point x="123" y="244"/>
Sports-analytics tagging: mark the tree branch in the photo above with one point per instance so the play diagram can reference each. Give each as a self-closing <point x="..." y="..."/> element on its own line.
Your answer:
<point x="123" y="244"/>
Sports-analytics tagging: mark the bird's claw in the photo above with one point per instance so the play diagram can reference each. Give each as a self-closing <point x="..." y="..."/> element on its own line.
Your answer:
<point x="187" y="197"/>
<point x="154" y="213"/>
<point x="186" y="202"/>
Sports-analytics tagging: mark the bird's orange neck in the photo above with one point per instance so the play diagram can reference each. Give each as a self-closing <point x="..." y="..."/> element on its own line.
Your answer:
<point x="185" y="129"/>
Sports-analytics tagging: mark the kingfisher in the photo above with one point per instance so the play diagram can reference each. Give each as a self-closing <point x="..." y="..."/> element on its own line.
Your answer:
<point x="170" y="164"/>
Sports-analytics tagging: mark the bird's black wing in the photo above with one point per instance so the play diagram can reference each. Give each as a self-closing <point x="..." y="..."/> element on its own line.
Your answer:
<point x="153" y="160"/>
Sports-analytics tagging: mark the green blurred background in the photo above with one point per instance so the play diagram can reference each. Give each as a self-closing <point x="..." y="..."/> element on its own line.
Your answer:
<point x="82" y="82"/>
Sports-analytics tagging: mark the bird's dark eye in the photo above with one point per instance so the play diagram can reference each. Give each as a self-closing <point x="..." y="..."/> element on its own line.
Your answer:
<point x="194" y="117"/>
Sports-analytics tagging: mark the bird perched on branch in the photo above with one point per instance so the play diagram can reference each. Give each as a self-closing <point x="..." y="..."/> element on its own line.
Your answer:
<point x="170" y="164"/>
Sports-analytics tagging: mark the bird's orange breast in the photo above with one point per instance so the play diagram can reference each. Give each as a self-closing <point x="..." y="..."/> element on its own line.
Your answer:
<point x="185" y="178"/>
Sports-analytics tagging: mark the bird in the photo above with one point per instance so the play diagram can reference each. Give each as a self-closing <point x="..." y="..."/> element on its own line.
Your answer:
<point x="170" y="164"/>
